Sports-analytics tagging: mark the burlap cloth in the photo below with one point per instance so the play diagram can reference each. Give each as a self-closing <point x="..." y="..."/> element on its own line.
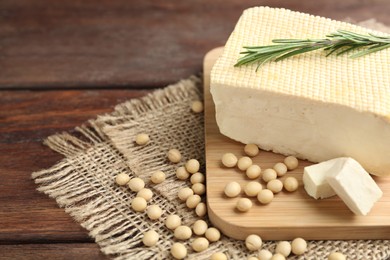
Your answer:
<point x="83" y="182"/>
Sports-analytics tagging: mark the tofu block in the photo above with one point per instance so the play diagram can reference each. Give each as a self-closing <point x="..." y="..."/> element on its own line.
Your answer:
<point x="314" y="179"/>
<point x="310" y="106"/>
<point x="354" y="186"/>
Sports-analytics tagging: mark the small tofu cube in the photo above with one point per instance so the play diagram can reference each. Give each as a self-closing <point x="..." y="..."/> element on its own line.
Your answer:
<point x="314" y="179"/>
<point x="354" y="186"/>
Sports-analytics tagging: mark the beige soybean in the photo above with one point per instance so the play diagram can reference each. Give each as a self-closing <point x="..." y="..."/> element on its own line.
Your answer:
<point x="193" y="201"/>
<point x="145" y="193"/>
<point x="253" y="171"/>
<point x="192" y="166"/>
<point x="199" y="188"/>
<point x="298" y="246"/>
<point x="283" y="248"/>
<point x="182" y="173"/>
<point x="173" y="221"/>
<point x="197" y="178"/>
<point x="290" y="184"/>
<point x="182" y="232"/>
<point x="150" y="238"/>
<point x="200" y="244"/>
<point x="184" y="193"/>
<point x="275" y="186"/>
<point x="213" y="234"/>
<point x="201" y="209"/>
<point x="244" y="204"/>
<point x="218" y="256"/>
<point x="139" y="204"/>
<point x="251" y="150"/>
<point x="232" y="189"/>
<point x="244" y="163"/>
<point x="200" y="227"/>
<point x="158" y="177"/>
<point x="265" y="196"/>
<point x="269" y="174"/>
<point x="253" y="188"/>
<point x="253" y="242"/>
<point x="136" y="184"/>
<point x="281" y="169"/>
<point x="229" y="160"/>
<point x="264" y="254"/>
<point x="291" y="162"/>
<point x="174" y="155"/>
<point x="122" y="179"/>
<point x="142" y="139"/>
<point x="154" y="212"/>
<point x="278" y="256"/>
<point x="178" y="251"/>
<point x="252" y="258"/>
<point x="336" y="256"/>
<point x="197" y="106"/>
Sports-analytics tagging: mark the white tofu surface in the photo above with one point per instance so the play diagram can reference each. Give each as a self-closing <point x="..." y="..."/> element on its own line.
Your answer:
<point x="354" y="186"/>
<point x="314" y="179"/>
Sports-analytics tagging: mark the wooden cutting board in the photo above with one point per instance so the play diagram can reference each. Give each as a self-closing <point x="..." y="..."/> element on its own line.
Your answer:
<point x="289" y="215"/>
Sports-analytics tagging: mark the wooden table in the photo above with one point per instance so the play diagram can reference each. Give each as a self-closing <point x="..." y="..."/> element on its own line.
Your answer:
<point x="63" y="62"/>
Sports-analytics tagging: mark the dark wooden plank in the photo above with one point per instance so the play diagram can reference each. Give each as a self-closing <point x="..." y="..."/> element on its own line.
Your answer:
<point x="136" y="43"/>
<point x="26" y="118"/>
<point x="82" y="251"/>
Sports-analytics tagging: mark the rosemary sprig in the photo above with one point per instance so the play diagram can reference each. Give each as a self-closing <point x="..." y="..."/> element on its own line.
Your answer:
<point x="338" y="43"/>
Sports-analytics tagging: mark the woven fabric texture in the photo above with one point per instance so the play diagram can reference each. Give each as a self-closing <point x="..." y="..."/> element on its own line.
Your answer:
<point x="83" y="183"/>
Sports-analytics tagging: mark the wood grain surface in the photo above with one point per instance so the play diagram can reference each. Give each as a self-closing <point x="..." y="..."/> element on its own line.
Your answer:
<point x="292" y="214"/>
<point x="82" y="251"/>
<point x="48" y="47"/>
<point x="27" y="216"/>
<point x="134" y="43"/>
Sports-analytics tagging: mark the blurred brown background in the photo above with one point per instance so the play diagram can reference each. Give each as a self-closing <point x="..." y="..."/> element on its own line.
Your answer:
<point x="63" y="62"/>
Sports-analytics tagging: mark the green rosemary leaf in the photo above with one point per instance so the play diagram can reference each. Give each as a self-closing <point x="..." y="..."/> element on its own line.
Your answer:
<point x="386" y="39"/>
<point x="265" y="59"/>
<point x="336" y="47"/>
<point x="293" y="41"/>
<point x="370" y="50"/>
<point x="347" y="50"/>
<point x="296" y="52"/>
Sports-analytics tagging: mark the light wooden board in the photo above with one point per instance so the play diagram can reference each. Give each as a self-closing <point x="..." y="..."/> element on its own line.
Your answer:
<point x="289" y="215"/>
